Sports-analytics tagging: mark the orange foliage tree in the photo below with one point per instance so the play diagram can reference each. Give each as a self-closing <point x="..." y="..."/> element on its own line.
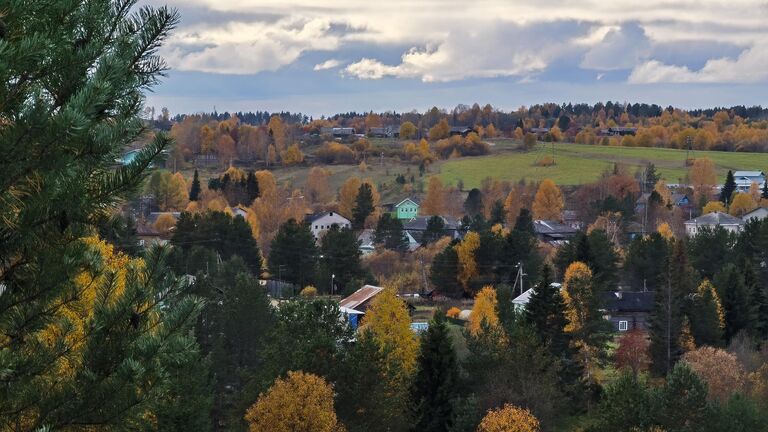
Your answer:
<point x="509" y="418"/>
<point x="721" y="370"/>
<point x="548" y="203"/>
<point x="434" y="201"/>
<point x="300" y="402"/>
<point x="484" y="310"/>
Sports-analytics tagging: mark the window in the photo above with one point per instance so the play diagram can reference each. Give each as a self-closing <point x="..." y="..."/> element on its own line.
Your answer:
<point x="623" y="325"/>
<point x="141" y="242"/>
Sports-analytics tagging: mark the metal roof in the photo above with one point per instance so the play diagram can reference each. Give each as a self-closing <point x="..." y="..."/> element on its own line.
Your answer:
<point x="360" y="296"/>
<point x="716" y="218"/>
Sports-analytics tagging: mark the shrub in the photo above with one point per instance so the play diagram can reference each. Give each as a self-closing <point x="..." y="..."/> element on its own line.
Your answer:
<point x="453" y="312"/>
<point x="308" y="292"/>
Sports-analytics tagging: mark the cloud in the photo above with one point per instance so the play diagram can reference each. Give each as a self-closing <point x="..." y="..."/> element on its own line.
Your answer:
<point x="328" y="64"/>
<point x="620" y="48"/>
<point x="751" y="66"/>
<point x="497" y="49"/>
<point x="248" y="48"/>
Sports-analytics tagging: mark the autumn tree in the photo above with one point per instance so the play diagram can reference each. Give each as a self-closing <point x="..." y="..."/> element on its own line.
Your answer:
<point x="529" y="141"/>
<point x="317" y="187"/>
<point x="484" y="312"/>
<point x="292" y="156"/>
<point x="439" y="131"/>
<point x="583" y="311"/>
<point x="164" y="223"/>
<point x="720" y="369"/>
<point x="348" y="195"/>
<point x="278" y="134"/>
<point x="434" y="202"/>
<point x="509" y="418"/>
<point x="548" y="203"/>
<point x="300" y="401"/>
<point x="702" y="177"/>
<point x="713" y="206"/>
<point x="407" y="130"/>
<point x="169" y="190"/>
<point x="632" y="351"/>
<point x="465" y="251"/>
<point x="742" y="203"/>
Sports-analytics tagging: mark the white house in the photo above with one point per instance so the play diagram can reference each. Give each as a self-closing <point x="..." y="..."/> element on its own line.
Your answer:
<point x="322" y="222"/>
<point x="759" y="213"/>
<point x="713" y="220"/>
<point x="744" y="179"/>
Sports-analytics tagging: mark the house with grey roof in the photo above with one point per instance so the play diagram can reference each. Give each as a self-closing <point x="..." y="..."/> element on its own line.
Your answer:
<point x="759" y="213"/>
<point x="319" y="223"/>
<point x="744" y="179"/>
<point x="712" y="221"/>
<point x="553" y="232"/>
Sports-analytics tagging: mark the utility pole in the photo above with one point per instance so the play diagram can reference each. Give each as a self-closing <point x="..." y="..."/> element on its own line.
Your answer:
<point x="424" y="286"/>
<point x="333" y="276"/>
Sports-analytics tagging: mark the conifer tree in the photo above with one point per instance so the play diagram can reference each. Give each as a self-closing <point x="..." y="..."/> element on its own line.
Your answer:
<point x="436" y="381"/>
<point x="252" y="187"/>
<point x="339" y="260"/>
<point x="73" y="75"/>
<point x="545" y="312"/>
<point x="293" y="253"/>
<point x="444" y="272"/>
<point x="764" y="193"/>
<point x="735" y="295"/>
<point x="363" y="205"/>
<point x="728" y="188"/>
<point x="706" y="316"/>
<point x="435" y="229"/>
<point x="194" y="190"/>
<point x="389" y="233"/>
<point x="667" y="317"/>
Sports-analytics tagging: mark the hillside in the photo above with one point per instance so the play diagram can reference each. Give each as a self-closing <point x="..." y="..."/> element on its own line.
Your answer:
<point x="580" y="163"/>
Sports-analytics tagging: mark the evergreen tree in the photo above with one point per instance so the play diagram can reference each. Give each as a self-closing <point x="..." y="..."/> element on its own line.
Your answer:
<point x="705" y="316"/>
<point x="436" y="382"/>
<point x="667" y="318"/>
<point x="498" y="214"/>
<point x="644" y="264"/>
<point x="363" y="205"/>
<point x="293" y="254"/>
<point x="251" y="187"/>
<point x="759" y="301"/>
<point x="444" y="272"/>
<point x="524" y="222"/>
<point x="626" y="406"/>
<point x="389" y="233"/>
<point x="73" y="76"/>
<point x="434" y="231"/>
<point x="120" y="231"/>
<point x="735" y="296"/>
<point x="340" y="261"/>
<point x="473" y="205"/>
<point x="545" y="312"/>
<point x="651" y="176"/>
<point x="764" y="194"/>
<point x="194" y="190"/>
<point x="681" y="403"/>
<point x="710" y="249"/>
<point x="728" y="188"/>
<point x="522" y="247"/>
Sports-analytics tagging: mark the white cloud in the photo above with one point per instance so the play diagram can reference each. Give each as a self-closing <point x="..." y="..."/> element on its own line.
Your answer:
<point x="248" y="48"/>
<point x="328" y="64"/>
<point x="751" y="66"/>
<point x="620" y="48"/>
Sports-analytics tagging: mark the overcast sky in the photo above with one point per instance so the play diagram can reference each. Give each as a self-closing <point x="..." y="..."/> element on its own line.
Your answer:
<point x="323" y="57"/>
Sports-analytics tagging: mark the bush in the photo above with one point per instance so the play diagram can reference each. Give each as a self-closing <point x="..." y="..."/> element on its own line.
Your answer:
<point x="546" y="161"/>
<point x="335" y="153"/>
<point x="453" y="312"/>
<point x="308" y="292"/>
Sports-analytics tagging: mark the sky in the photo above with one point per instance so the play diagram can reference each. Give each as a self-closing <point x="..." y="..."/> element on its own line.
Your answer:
<point x="331" y="56"/>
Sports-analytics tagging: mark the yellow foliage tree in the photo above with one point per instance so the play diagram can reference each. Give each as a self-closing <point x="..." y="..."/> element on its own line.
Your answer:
<point x="742" y="203"/>
<point x="714" y="206"/>
<point x="318" y="188"/>
<point x="467" y="263"/>
<point x="577" y="290"/>
<point x="308" y="291"/>
<point x="548" y="203"/>
<point x="277" y="131"/>
<point x="164" y="223"/>
<point x="509" y="418"/>
<point x="453" y="312"/>
<point x="706" y="287"/>
<point x="300" y="402"/>
<point x="490" y="131"/>
<point x="363" y="167"/>
<point x="348" y="195"/>
<point x="666" y="231"/>
<point x="388" y="323"/>
<point x="434" y="201"/>
<point x="292" y="156"/>
<point x="661" y="188"/>
<point x="407" y="130"/>
<point x="702" y="176"/>
<point x="484" y="310"/>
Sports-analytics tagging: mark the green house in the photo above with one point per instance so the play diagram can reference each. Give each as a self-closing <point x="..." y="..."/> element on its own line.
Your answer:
<point x="407" y="209"/>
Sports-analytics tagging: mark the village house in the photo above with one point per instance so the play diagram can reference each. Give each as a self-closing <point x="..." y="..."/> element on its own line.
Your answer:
<point x="553" y="232"/>
<point x="713" y="220"/>
<point x="628" y="310"/>
<point x="357" y="303"/>
<point x="759" y="213"/>
<point x="416" y="226"/>
<point x="319" y="223"/>
<point x="407" y="209"/>
<point x="460" y="130"/>
<point x="744" y="179"/>
<point x="384" y="132"/>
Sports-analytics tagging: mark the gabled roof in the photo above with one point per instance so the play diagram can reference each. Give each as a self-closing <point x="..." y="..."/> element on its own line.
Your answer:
<point x="716" y="218"/>
<point x="460" y="129"/>
<point x="748" y="174"/>
<point x="313" y="217"/>
<point x="412" y="201"/>
<point x="756" y="213"/>
<point x="523" y="298"/>
<point x="360" y="296"/>
<point x="635" y="301"/>
<point x="552" y="228"/>
<point x="419" y="223"/>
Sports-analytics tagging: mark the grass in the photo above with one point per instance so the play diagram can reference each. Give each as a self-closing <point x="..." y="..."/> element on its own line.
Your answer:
<point x="579" y="163"/>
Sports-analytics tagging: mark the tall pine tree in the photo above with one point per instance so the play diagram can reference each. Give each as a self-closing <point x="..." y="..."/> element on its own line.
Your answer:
<point x="735" y="295"/>
<point x="436" y="382"/>
<point x="363" y="205"/>
<point x="728" y="188"/>
<point x="194" y="190"/>
<point x="86" y="343"/>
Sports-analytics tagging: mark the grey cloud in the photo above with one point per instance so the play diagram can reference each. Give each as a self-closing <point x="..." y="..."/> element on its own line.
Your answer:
<point x="621" y="48"/>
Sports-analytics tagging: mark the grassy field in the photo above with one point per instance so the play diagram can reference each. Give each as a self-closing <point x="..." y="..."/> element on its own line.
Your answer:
<point x="577" y="163"/>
